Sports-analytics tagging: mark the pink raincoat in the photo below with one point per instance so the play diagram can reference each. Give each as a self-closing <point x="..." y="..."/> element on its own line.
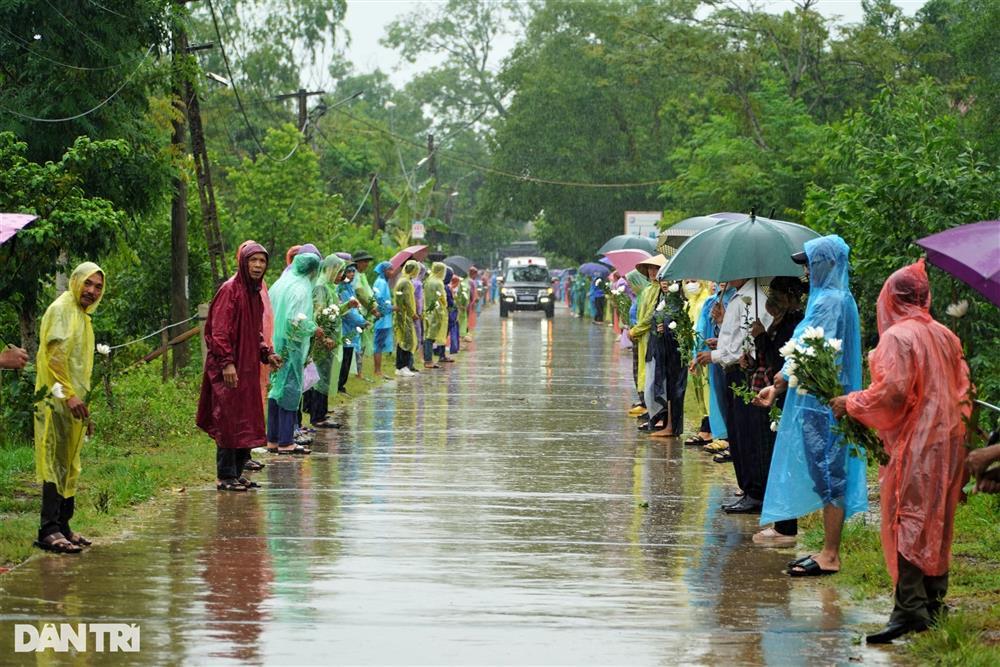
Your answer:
<point x="917" y="402"/>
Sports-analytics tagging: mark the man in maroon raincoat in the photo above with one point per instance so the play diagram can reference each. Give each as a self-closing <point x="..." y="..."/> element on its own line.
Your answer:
<point x="230" y="409"/>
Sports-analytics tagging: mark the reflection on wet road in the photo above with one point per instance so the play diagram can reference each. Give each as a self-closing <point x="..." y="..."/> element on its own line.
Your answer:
<point x="503" y="510"/>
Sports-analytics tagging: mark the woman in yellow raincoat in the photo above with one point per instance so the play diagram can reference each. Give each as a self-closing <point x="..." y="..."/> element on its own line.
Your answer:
<point x="64" y="365"/>
<point x="639" y="334"/>
<point x="404" y="328"/>
<point x="697" y="292"/>
<point x="435" y="313"/>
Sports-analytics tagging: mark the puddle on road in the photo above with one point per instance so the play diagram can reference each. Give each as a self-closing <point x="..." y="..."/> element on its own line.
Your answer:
<point x="488" y="514"/>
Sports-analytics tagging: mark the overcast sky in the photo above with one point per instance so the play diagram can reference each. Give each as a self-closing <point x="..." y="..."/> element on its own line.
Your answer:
<point x="367" y="19"/>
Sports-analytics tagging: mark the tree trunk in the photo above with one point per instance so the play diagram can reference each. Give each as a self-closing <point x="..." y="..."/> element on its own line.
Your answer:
<point x="27" y="319"/>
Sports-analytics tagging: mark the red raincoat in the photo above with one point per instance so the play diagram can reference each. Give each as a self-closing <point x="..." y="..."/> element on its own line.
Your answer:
<point x="233" y="333"/>
<point x="917" y="402"/>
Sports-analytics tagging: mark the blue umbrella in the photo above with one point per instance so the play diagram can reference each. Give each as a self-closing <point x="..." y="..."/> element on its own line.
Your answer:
<point x="594" y="270"/>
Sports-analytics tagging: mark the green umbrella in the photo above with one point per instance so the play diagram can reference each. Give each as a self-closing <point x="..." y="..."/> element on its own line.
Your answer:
<point x="750" y="248"/>
<point x="628" y="242"/>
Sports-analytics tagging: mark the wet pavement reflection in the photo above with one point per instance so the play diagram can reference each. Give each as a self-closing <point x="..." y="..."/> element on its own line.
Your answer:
<point x="503" y="510"/>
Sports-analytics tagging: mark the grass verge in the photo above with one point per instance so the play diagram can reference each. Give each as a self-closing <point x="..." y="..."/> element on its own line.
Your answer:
<point x="145" y="449"/>
<point x="970" y="634"/>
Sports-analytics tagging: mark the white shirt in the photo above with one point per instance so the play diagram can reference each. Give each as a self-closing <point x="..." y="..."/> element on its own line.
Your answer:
<point x="737" y="321"/>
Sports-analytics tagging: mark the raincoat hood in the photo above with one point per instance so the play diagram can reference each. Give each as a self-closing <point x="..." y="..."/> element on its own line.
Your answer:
<point x="905" y="295"/>
<point x="79" y="276"/>
<point x="636" y="280"/>
<point x="304" y="264"/>
<point x="309" y="249"/>
<point x="291" y="253"/>
<point x="247" y="250"/>
<point x="828" y="267"/>
<point x="381" y="268"/>
<point x="330" y="269"/>
<point x="438" y="270"/>
<point x="412" y="268"/>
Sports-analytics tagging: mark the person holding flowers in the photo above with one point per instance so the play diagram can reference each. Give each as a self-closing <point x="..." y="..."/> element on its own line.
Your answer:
<point x="383" y="343"/>
<point x="457" y="313"/>
<point x="639" y="332"/>
<point x="733" y="346"/>
<point x="406" y="318"/>
<point x="435" y="313"/>
<point x="328" y="352"/>
<point x="918" y="402"/>
<point x="294" y="328"/>
<point x="666" y="372"/>
<point x="697" y="292"/>
<point x="811" y="468"/>
<point x="64" y="365"/>
<point x="353" y="324"/>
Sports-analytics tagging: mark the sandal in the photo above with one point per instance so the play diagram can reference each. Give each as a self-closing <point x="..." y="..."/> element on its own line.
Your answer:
<point x="297" y="450"/>
<point x="79" y="540"/>
<point x="254" y="466"/>
<point x="230" y="485"/>
<point x="248" y="483"/>
<point x="57" y="543"/>
<point x="809" y="568"/>
<point x="696" y="441"/>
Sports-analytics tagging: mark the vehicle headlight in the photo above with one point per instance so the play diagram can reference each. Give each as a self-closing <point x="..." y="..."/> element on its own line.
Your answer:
<point x="544" y="291"/>
<point x="509" y="291"/>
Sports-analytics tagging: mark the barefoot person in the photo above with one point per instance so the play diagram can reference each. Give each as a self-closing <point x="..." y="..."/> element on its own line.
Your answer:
<point x="64" y="365"/>
<point x="811" y="469"/>
<point x="230" y="408"/>
<point x="918" y="403"/>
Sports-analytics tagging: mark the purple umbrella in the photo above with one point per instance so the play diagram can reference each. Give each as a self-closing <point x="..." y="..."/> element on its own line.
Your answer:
<point x="10" y="223"/>
<point x="594" y="269"/>
<point x="971" y="253"/>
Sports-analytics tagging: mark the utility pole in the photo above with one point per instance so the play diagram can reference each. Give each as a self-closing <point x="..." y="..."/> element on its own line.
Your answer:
<point x="206" y="193"/>
<point x="302" y="95"/>
<point x="376" y="206"/>
<point x="178" y="204"/>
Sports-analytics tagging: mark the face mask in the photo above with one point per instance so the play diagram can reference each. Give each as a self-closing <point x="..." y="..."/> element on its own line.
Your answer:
<point x="691" y="288"/>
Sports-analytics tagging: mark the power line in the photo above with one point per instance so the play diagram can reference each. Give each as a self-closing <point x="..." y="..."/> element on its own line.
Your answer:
<point x="89" y="111"/>
<point x="499" y="172"/>
<point x="371" y="184"/>
<point x="26" y="45"/>
<point x="236" y="92"/>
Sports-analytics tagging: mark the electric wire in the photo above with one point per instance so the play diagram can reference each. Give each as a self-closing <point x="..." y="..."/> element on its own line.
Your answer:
<point x="26" y="45"/>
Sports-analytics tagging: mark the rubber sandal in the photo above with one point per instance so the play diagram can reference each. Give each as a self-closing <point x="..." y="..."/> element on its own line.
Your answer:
<point x="809" y="568"/>
<point x="254" y="466"/>
<point x="248" y="483"/>
<point x="298" y="450"/>
<point x="696" y="441"/>
<point x="58" y="544"/>
<point x="230" y="485"/>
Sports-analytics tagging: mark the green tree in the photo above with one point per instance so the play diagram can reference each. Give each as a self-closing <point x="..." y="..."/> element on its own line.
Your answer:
<point x="72" y="226"/>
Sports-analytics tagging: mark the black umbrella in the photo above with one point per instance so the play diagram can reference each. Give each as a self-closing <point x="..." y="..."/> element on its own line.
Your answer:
<point x="460" y="265"/>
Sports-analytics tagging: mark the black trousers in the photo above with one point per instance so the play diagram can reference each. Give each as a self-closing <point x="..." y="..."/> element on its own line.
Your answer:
<point x="918" y="597"/>
<point x="315" y="403"/>
<point x="56" y="512"/>
<point x="404" y="359"/>
<point x="746" y="424"/>
<point x="229" y="463"/>
<point x="599" y="308"/>
<point x="345" y="368"/>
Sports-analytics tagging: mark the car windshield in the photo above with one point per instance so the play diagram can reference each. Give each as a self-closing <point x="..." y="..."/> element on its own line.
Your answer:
<point x="528" y="274"/>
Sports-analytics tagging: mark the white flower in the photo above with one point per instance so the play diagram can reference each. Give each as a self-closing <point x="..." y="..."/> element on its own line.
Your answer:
<point x="959" y="309"/>
<point x="836" y="344"/>
<point x="663" y="304"/>
<point x="787" y="349"/>
<point x="299" y="317"/>
<point x="801" y="391"/>
<point x="793" y="381"/>
<point x="746" y="299"/>
<point x="597" y="282"/>
<point x="790" y="366"/>
<point x="358" y="329"/>
<point x="774" y="427"/>
<point x="672" y="326"/>
<point x="812" y="332"/>
<point x="57" y="390"/>
<point x="809" y="351"/>
<point x="103" y="349"/>
<point x="348" y="341"/>
<point x="674" y="287"/>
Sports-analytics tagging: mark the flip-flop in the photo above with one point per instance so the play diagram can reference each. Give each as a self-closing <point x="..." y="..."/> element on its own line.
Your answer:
<point x="230" y="485"/>
<point x="793" y="563"/>
<point x="248" y="483"/>
<point x="254" y="466"/>
<point x="809" y="568"/>
<point x="79" y="540"/>
<point x="696" y="441"/>
<point x="58" y="545"/>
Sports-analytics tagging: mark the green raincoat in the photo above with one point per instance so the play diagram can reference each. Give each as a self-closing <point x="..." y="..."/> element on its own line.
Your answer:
<point x="644" y="322"/>
<point x="366" y="295"/>
<point x="405" y="309"/>
<point x="294" y="326"/>
<point x="65" y="357"/>
<point x="325" y="295"/>
<point x="436" y="305"/>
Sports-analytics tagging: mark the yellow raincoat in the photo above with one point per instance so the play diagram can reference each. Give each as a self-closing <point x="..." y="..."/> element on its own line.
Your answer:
<point x="66" y="357"/>
<point x="436" y="306"/>
<point x="698" y="382"/>
<point x="644" y="322"/>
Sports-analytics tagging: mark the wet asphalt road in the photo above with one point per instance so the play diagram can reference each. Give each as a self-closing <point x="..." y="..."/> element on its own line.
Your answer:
<point x="499" y="511"/>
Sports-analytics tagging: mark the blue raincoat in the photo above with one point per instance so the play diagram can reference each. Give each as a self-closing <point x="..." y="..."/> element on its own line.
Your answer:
<point x="706" y="328"/>
<point x="352" y="319"/>
<point x="383" y="297"/>
<point x="811" y="467"/>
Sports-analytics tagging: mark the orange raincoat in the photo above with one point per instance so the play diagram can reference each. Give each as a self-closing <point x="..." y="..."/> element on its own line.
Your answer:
<point x="917" y="402"/>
